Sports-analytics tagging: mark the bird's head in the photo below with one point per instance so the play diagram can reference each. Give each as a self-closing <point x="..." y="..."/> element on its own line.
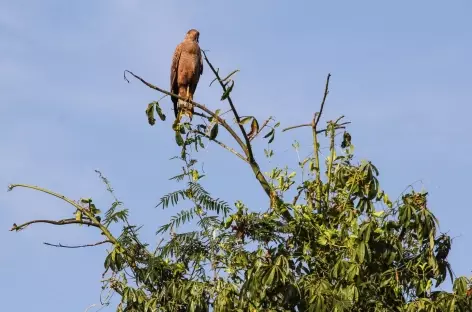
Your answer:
<point x="192" y="35"/>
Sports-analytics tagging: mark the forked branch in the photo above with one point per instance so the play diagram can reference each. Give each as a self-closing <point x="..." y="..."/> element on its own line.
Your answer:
<point x="91" y="218"/>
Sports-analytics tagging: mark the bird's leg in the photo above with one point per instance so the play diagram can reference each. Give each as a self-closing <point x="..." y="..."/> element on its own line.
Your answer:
<point x="188" y="94"/>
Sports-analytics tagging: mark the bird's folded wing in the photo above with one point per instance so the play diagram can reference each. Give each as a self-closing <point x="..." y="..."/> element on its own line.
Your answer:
<point x="175" y="66"/>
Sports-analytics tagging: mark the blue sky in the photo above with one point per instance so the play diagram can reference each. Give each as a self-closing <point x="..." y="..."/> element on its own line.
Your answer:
<point x="400" y="72"/>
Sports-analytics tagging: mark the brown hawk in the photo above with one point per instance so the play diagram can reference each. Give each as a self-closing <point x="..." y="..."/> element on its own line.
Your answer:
<point x="185" y="71"/>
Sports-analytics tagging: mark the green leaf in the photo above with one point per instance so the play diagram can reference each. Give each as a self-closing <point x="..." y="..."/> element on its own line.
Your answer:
<point x="270" y="278"/>
<point x="378" y="213"/>
<point x="78" y="215"/>
<point x="460" y="286"/>
<point x="159" y="112"/>
<point x="228" y="222"/>
<point x="269" y="134"/>
<point x="214" y="132"/>
<point x="361" y="251"/>
<point x="322" y="240"/>
<point x="245" y="120"/>
<point x="228" y="91"/>
<point x="254" y="128"/>
<point x="150" y="113"/>
<point x="178" y="138"/>
<point x="452" y="305"/>
<point x="346" y="140"/>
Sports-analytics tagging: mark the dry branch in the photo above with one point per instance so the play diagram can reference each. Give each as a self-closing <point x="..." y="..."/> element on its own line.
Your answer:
<point x="77" y="246"/>
<point x="60" y="222"/>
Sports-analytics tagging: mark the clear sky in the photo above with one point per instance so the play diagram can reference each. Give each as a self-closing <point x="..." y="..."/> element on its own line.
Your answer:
<point x="401" y="72"/>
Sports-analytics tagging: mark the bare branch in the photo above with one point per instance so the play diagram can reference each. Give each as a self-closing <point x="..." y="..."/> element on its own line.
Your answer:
<point x="339" y="126"/>
<point x="221" y="144"/>
<point x="323" y="102"/>
<point x="298" y="126"/>
<point x="60" y="222"/>
<point x="91" y="306"/>
<point x="78" y="246"/>
<point x="295" y="199"/>
<point x="337" y="120"/>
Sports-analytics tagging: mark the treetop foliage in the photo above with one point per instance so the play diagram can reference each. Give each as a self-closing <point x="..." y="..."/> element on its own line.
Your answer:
<point x="331" y="239"/>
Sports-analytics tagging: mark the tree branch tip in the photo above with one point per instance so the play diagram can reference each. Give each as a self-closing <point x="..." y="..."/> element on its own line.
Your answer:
<point x="124" y="75"/>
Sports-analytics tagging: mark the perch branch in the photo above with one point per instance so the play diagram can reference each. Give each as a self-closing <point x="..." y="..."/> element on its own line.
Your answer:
<point x="221" y="144"/>
<point x="60" y="222"/>
<point x="77" y="246"/>
<point x="198" y="105"/>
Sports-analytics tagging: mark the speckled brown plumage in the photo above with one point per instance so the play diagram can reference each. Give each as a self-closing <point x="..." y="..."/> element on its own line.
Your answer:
<point x="185" y="71"/>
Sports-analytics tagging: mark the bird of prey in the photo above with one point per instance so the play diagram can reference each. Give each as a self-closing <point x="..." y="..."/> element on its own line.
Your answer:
<point x="185" y="71"/>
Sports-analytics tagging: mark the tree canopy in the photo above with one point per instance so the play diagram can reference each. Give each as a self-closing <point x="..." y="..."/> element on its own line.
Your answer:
<point x="331" y="239"/>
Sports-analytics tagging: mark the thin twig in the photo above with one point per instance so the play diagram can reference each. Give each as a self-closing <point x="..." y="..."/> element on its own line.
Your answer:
<point x="295" y="199"/>
<point x="298" y="126"/>
<point x="60" y="222"/>
<point x="337" y="120"/>
<point x="324" y="100"/>
<point x="91" y="306"/>
<point x="198" y="105"/>
<point x="201" y="115"/>
<point x="339" y="126"/>
<point x="221" y="144"/>
<point x="78" y="246"/>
